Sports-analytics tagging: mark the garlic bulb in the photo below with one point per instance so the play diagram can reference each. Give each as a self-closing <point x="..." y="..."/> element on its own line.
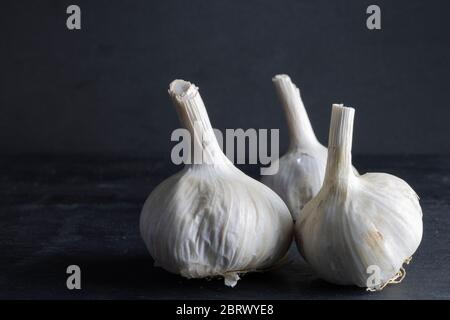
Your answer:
<point x="358" y="229"/>
<point x="302" y="168"/>
<point x="211" y="219"/>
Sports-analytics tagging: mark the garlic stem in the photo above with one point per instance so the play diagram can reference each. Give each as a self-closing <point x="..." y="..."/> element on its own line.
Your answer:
<point x="339" y="161"/>
<point x="301" y="133"/>
<point x="192" y="113"/>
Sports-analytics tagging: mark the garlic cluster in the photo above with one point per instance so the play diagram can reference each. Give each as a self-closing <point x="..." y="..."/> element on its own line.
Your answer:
<point x="358" y="229"/>
<point x="302" y="168"/>
<point x="211" y="219"/>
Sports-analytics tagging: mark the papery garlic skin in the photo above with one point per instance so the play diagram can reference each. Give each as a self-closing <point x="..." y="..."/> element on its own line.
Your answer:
<point x="211" y="219"/>
<point x="355" y="222"/>
<point x="299" y="177"/>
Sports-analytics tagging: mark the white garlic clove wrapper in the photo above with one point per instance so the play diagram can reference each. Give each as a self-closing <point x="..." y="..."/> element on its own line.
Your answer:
<point x="302" y="169"/>
<point x="358" y="229"/>
<point x="299" y="177"/>
<point x="211" y="219"/>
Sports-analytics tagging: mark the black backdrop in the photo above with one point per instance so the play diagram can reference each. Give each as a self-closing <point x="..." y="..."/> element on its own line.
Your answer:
<point x="102" y="90"/>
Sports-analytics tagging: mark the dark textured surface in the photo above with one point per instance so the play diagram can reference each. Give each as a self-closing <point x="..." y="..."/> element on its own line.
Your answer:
<point x="55" y="212"/>
<point x="103" y="90"/>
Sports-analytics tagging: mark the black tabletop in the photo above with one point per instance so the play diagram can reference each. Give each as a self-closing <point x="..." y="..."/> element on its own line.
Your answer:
<point x="63" y="211"/>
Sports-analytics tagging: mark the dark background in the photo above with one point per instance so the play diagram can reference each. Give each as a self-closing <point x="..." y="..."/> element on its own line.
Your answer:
<point x="85" y="124"/>
<point x="102" y="90"/>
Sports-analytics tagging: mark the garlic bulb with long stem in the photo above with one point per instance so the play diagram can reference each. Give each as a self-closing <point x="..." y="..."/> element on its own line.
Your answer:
<point x="211" y="219"/>
<point x="358" y="229"/>
<point x="302" y="169"/>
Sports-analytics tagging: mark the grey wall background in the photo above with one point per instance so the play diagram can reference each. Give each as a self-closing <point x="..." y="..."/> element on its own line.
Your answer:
<point x="103" y="90"/>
